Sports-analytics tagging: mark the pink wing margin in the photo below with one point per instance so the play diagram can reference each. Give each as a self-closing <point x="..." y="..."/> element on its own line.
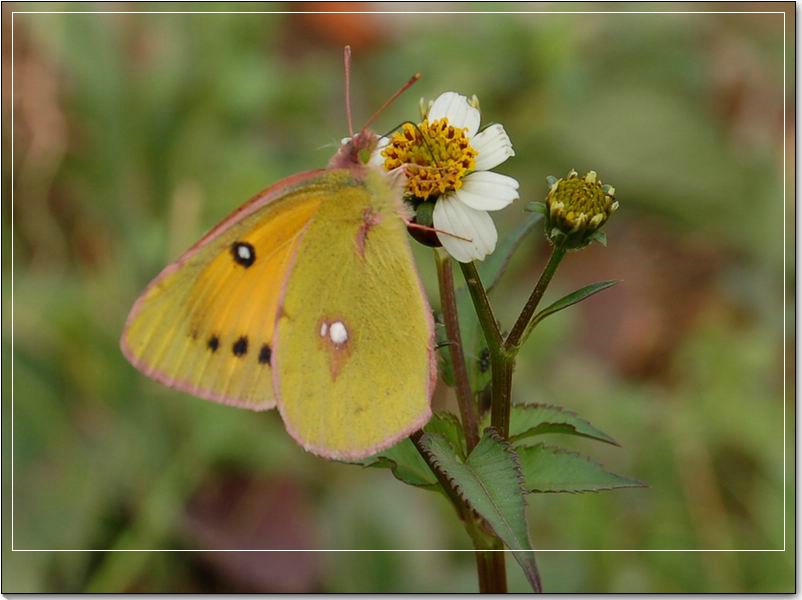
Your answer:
<point x="257" y="202"/>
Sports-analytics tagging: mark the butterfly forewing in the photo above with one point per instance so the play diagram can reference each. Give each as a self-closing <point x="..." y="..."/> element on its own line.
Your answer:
<point x="205" y="324"/>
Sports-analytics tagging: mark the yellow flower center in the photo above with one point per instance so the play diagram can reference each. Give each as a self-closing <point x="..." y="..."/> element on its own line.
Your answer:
<point x="437" y="157"/>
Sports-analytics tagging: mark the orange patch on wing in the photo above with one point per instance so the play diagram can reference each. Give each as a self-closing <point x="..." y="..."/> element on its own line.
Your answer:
<point x="329" y="333"/>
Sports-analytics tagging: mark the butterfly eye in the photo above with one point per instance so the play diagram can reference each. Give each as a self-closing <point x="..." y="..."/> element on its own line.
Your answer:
<point x="243" y="253"/>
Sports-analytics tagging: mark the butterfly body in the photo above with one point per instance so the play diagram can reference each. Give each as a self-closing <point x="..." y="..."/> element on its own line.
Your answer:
<point x="307" y="298"/>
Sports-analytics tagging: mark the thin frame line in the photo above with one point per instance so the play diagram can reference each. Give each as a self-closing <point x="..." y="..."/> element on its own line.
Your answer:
<point x="396" y="550"/>
<point x="784" y="399"/>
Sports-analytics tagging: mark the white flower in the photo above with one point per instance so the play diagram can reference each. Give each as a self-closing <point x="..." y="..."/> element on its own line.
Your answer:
<point x="449" y="162"/>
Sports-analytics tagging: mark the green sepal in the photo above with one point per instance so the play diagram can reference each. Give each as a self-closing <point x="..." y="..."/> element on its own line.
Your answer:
<point x="424" y="214"/>
<point x="547" y="469"/>
<point x="599" y="236"/>
<point x="551" y="180"/>
<point x="556" y="235"/>
<point x="536" y="207"/>
<point x="491" y="482"/>
<point x="574" y="298"/>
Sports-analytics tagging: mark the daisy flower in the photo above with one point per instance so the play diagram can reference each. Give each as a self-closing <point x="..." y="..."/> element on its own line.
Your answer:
<point x="448" y="161"/>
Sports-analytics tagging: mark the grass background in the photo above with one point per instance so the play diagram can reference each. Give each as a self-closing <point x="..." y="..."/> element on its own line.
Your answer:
<point x="134" y="133"/>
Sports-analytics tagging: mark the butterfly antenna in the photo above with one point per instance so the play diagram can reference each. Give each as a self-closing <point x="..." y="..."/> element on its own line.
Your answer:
<point x="347" y="61"/>
<point x="392" y="99"/>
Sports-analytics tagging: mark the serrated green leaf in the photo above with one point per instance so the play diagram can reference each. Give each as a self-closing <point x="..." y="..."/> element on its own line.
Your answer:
<point x="405" y="461"/>
<point x="406" y="464"/>
<point x="548" y="469"/>
<point x="527" y="420"/>
<point x="448" y="425"/>
<point x="574" y="298"/>
<point x="490" y="481"/>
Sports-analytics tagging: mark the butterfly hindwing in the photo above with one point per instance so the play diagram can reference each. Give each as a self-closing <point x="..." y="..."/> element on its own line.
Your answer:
<point x="205" y="324"/>
<point x="354" y="369"/>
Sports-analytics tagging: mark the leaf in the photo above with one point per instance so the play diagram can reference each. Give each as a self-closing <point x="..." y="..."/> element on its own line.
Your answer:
<point x="492" y="268"/>
<point x="527" y="420"/>
<point x="406" y="463"/>
<point x="448" y="426"/>
<point x="574" y="298"/>
<point x="548" y="469"/>
<point x="490" y="481"/>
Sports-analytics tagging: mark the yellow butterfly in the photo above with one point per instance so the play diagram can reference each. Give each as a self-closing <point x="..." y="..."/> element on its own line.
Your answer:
<point x="305" y="298"/>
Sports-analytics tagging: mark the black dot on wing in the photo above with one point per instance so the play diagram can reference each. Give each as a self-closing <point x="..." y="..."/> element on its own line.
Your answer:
<point x="243" y="253"/>
<point x="240" y="347"/>
<point x="213" y="343"/>
<point x="264" y="354"/>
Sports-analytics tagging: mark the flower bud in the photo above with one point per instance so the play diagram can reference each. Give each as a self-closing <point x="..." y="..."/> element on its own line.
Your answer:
<point x="576" y="207"/>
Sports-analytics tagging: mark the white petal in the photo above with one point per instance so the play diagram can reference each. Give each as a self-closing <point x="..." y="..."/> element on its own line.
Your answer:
<point x="452" y="216"/>
<point x="457" y="110"/>
<point x="376" y="158"/>
<point x="485" y="190"/>
<point x="494" y="147"/>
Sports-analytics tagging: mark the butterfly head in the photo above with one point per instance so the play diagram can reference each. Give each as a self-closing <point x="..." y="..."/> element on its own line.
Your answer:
<point x="355" y="151"/>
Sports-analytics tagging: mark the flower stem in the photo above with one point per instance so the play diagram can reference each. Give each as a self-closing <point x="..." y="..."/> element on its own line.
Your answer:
<point x="501" y="365"/>
<point x="516" y="337"/>
<point x="501" y="362"/>
<point x="482" y="305"/>
<point x="448" y="304"/>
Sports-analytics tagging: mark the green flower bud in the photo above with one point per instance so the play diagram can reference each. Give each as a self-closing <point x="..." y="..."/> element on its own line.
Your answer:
<point x="576" y="207"/>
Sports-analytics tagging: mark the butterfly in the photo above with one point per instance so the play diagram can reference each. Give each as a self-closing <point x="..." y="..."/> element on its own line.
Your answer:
<point x="307" y="299"/>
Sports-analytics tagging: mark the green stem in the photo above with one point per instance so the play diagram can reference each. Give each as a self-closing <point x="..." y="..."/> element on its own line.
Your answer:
<point x="501" y="365"/>
<point x="491" y="569"/>
<point x="500" y="361"/>
<point x="514" y="340"/>
<point x="448" y="304"/>
<point x="490" y="566"/>
<point x="482" y="305"/>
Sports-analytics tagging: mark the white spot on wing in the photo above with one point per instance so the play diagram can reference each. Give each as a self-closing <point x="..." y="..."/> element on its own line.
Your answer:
<point x="324" y="329"/>
<point x="338" y="333"/>
<point x="244" y="252"/>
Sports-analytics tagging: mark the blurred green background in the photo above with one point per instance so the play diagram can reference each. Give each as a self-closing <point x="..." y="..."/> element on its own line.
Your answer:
<point x="134" y="133"/>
